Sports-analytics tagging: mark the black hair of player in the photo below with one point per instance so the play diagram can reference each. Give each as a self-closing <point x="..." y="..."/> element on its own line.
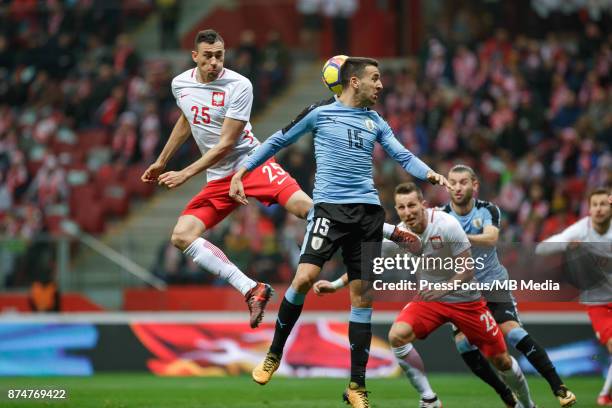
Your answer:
<point x="208" y="36"/>
<point x="354" y="67"/>
<point x="407" y="188"/>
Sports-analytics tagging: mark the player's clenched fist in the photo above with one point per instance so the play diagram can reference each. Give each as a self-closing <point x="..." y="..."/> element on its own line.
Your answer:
<point x="152" y="173"/>
<point x="172" y="179"/>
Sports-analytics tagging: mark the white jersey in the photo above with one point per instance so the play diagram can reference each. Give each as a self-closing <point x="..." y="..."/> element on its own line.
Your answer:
<point x="581" y="231"/>
<point x="444" y="239"/>
<point x="207" y="105"/>
<point x="599" y="245"/>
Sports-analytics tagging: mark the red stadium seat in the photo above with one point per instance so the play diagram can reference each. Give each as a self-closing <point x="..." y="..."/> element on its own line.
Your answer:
<point x="81" y="196"/>
<point x="115" y="199"/>
<point x="90" y="216"/>
<point x="134" y="185"/>
<point x="87" y="139"/>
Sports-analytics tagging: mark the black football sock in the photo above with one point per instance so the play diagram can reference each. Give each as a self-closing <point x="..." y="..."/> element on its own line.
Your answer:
<point x="539" y="359"/>
<point x="482" y="368"/>
<point x="288" y="314"/>
<point x="360" y="337"/>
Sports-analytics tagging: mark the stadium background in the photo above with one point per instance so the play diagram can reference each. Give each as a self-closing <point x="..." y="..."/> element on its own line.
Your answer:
<point x="520" y="90"/>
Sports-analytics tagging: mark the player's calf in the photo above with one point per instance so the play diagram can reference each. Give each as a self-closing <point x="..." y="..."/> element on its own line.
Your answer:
<point x="512" y="375"/>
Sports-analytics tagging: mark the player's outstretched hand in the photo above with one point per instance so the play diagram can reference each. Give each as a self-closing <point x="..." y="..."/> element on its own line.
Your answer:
<point x="152" y="173"/>
<point x="237" y="190"/>
<point x="172" y="179"/>
<point x="438" y="179"/>
<point x="322" y="287"/>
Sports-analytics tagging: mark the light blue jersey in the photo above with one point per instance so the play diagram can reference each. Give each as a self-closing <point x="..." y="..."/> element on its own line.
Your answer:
<point x="344" y="140"/>
<point x="483" y="213"/>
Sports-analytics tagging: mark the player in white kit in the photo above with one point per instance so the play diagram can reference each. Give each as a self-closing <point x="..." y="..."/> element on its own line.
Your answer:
<point x="215" y="105"/>
<point x="594" y="235"/>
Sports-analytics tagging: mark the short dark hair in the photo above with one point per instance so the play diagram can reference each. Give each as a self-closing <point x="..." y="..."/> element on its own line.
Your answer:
<point x="208" y="36"/>
<point x="354" y="66"/>
<point x="407" y="188"/>
<point x="598" y="191"/>
<point x="463" y="168"/>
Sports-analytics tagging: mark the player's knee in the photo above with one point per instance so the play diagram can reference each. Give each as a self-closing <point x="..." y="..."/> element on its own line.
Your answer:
<point x="181" y="240"/>
<point x="609" y="345"/>
<point x="501" y="361"/>
<point x="303" y="281"/>
<point x="398" y="338"/>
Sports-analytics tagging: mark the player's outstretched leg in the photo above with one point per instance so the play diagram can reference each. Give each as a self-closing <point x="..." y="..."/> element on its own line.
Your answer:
<point x="360" y="337"/>
<point x="480" y="366"/>
<point x="288" y="314"/>
<point x="512" y="375"/>
<point x="401" y="337"/>
<point x="518" y="338"/>
<point x="186" y="237"/>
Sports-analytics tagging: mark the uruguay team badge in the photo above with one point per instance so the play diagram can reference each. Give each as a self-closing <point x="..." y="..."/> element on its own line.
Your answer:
<point x="369" y="124"/>
<point x="477" y="222"/>
<point x="316" y="243"/>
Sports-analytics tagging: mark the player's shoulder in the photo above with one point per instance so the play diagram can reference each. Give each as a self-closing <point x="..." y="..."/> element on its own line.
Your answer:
<point x="446" y="208"/>
<point x="310" y="108"/>
<point x="439" y="217"/>
<point x="478" y="203"/>
<point x="187" y="76"/>
<point x="231" y="76"/>
<point x="483" y="205"/>
<point x="584" y="223"/>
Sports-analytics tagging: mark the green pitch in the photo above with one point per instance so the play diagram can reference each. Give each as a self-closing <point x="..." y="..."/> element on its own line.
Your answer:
<point x="147" y="391"/>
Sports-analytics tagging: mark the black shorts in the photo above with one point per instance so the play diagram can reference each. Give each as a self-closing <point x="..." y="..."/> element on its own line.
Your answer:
<point x="502" y="305"/>
<point x="346" y="226"/>
<point x="504" y="312"/>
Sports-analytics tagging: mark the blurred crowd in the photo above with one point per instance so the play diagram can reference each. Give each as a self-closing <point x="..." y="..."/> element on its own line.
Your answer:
<point x="80" y="103"/>
<point x="532" y="116"/>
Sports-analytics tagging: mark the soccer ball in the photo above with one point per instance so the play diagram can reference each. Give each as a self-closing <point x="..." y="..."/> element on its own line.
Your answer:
<point x="331" y="73"/>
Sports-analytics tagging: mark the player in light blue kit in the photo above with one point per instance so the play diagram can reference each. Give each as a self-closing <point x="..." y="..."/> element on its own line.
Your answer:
<point x="347" y="210"/>
<point x="481" y="221"/>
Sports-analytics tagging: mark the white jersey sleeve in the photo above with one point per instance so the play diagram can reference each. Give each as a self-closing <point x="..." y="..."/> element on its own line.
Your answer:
<point x="175" y="92"/>
<point x="241" y="102"/>
<point x="560" y="241"/>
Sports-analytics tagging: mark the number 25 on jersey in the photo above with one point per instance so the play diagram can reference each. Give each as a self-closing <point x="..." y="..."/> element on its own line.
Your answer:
<point x="203" y="115"/>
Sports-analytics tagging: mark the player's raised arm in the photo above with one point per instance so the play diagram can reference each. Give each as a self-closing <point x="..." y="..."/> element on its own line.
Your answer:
<point x="302" y="124"/>
<point x="180" y="133"/>
<point x="412" y="164"/>
<point x="559" y="242"/>
<point x="230" y="133"/>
